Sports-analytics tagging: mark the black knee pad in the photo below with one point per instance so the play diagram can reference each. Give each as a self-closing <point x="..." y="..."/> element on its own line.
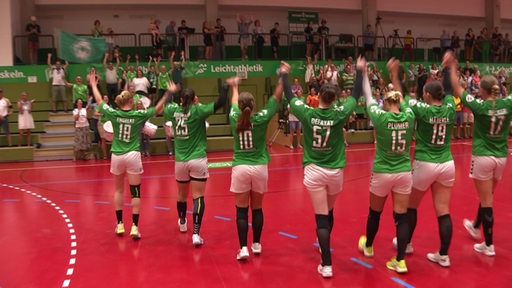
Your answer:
<point x="135" y="191"/>
<point x="322" y="221"/>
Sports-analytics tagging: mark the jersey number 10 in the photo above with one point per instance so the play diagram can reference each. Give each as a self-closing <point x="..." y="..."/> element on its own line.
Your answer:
<point x="245" y="139"/>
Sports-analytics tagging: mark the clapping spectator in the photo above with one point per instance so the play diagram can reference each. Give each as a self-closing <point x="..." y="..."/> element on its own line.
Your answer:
<point x="243" y="29"/>
<point x="25" y="119"/>
<point x="82" y="138"/>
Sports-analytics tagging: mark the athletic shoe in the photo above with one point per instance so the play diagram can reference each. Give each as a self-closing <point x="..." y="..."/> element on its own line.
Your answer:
<point x="120" y="228"/>
<point x="367" y="251"/>
<point x="325" y="271"/>
<point x="442" y="260"/>
<point x="398" y="266"/>
<point x="183" y="227"/>
<point x="299" y="146"/>
<point x="242" y="254"/>
<point x="197" y="240"/>
<point x="256" y="248"/>
<point x="484" y="249"/>
<point x="408" y="249"/>
<point x="135" y="232"/>
<point x="474" y="232"/>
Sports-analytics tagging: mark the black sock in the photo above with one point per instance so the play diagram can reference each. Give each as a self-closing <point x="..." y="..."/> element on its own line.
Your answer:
<point x="487" y="219"/>
<point x="445" y="232"/>
<point x="182" y="211"/>
<point x="242" y="224"/>
<point x="372" y="226"/>
<point x="331" y="220"/>
<point x="478" y="219"/>
<point x="198" y="213"/>
<point x="257" y="224"/>
<point x="135" y="219"/>
<point x="402" y="234"/>
<point x="119" y="216"/>
<point x="412" y="219"/>
<point x="323" y="234"/>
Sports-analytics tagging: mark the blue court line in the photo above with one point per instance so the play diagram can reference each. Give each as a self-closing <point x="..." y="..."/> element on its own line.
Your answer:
<point x="401" y="282"/>
<point x="222" y="218"/>
<point x="102" y="202"/>
<point x="72" y="201"/>
<point x="162" y="208"/>
<point x="288" y="235"/>
<point x="11" y="200"/>
<point x="361" y="263"/>
<point x="318" y="245"/>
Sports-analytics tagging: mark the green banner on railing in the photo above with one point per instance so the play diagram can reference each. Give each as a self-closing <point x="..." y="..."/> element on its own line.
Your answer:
<point x="210" y="69"/>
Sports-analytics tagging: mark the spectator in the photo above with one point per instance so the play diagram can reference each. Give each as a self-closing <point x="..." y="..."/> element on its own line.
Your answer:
<point x="96" y="30"/>
<point x="411" y="78"/>
<point x="274" y="39"/>
<point x="79" y="89"/>
<point x="156" y="41"/>
<point x="469" y="45"/>
<point x="507" y="48"/>
<point x="141" y="83"/>
<point x="243" y="29"/>
<point x="183" y="32"/>
<point x="485" y="44"/>
<point x="5" y="112"/>
<point x="152" y="78"/>
<point x="312" y="99"/>
<point x="177" y="72"/>
<point x="348" y="77"/>
<point x="496" y="39"/>
<point x="207" y="40"/>
<point x="58" y="75"/>
<point x="369" y="42"/>
<point x="294" y="124"/>
<point x="310" y="71"/>
<point x="111" y="77"/>
<point x="308" y="33"/>
<point x="446" y="41"/>
<point x="455" y="43"/>
<point x="33" y="30"/>
<point x="220" y="47"/>
<point x="258" y="39"/>
<point x="170" y="33"/>
<point x="323" y="32"/>
<point x="91" y="105"/>
<point x="422" y="80"/>
<point x="25" y="119"/>
<point x="296" y="88"/>
<point x="102" y="120"/>
<point x="459" y="118"/>
<point x="82" y="138"/>
<point x="145" y="140"/>
<point x="408" y="45"/>
<point x="331" y="73"/>
<point x="163" y="79"/>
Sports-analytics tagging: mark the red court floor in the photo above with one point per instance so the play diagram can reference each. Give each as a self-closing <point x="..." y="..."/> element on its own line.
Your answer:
<point x="57" y="221"/>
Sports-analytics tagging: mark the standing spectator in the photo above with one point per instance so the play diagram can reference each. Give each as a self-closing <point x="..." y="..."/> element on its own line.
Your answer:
<point x="422" y="80"/>
<point x="323" y="32"/>
<point x="82" y="135"/>
<point x="455" y="45"/>
<point x="331" y="72"/>
<point x="408" y="45"/>
<point x="163" y="79"/>
<point x="348" y="76"/>
<point x="411" y="78"/>
<point x="485" y="44"/>
<point x="308" y="33"/>
<point x="111" y="77"/>
<point x="183" y="31"/>
<point x="33" y="30"/>
<point x="101" y="130"/>
<point x="369" y="42"/>
<point x="91" y="104"/>
<point x="79" y="89"/>
<point x="25" y="119"/>
<point x="220" y="46"/>
<point x="152" y="78"/>
<point x="177" y="71"/>
<point x="5" y="112"/>
<point x="258" y="39"/>
<point x="446" y="41"/>
<point x="207" y="40"/>
<point x="310" y="71"/>
<point x="469" y="45"/>
<point x="243" y="29"/>
<point x="156" y="41"/>
<point x="507" y="47"/>
<point x="274" y="39"/>
<point x="96" y="30"/>
<point x="58" y="75"/>
<point x="109" y="40"/>
<point x="141" y="83"/>
<point x="170" y="33"/>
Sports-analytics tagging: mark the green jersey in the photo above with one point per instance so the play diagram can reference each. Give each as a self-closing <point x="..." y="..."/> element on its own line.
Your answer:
<point x="80" y="92"/>
<point x="189" y="130"/>
<point x="394" y="135"/>
<point x="152" y="79"/>
<point x="126" y="126"/>
<point x="324" y="144"/>
<point x="250" y="147"/>
<point x="492" y="125"/>
<point x="131" y="75"/>
<point x="361" y="104"/>
<point x="163" y="81"/>
<point x="433" y="130"/>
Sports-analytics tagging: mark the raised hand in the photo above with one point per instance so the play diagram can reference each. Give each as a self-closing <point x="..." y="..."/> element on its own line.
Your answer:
<point x="233" y="81"/>
<point x="284" y="68"/>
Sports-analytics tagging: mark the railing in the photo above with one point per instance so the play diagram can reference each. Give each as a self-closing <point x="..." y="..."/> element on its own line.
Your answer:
<point x="121" y="39"/>
<point x="20" y="48"/>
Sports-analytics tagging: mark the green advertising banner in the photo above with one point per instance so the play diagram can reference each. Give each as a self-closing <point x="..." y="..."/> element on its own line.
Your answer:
<point x="302" y="17"/>
<point x="210" y="69"/>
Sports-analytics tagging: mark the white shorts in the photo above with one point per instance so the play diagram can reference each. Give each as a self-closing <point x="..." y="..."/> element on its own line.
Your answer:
<point x="487" y="167"/>
<point x="245" y="178"/>
<point x="468" y="117"/>
<point x="424" y="174"/>
<point x="318" y="178"/>
<point x="129" y="162"/>
<point x="195" y="169"/>
<point x="382" y="183"/>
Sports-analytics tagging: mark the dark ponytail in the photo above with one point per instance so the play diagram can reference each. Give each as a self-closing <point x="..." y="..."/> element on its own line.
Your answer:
<point x="187" y="97"/>
<point x="246" y="105"/>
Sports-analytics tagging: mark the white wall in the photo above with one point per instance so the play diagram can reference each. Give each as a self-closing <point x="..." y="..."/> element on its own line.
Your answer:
<point x="6" y="32"/>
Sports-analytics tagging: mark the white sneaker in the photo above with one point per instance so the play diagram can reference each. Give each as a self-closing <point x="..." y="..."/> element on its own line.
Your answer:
<point x="242" y="254"/>
<point x="197" y="240"/>
<point x="183" y="227"/>
<point x="408" y="249"/>
<point x="135" y="232"/>
<point x="256" y="248"/>
<point x="484" y="249"/>
<point x="474" y="232"/>
<point x="325" y="271"/>
<point x="442" y="260"/>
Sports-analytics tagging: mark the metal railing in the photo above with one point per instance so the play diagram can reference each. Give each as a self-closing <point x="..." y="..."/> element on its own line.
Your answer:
<point x="20" y="47"/>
